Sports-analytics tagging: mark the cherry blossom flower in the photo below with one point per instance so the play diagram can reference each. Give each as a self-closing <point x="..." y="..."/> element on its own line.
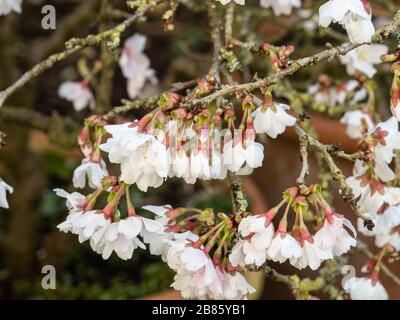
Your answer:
<point x="238" y="153"/>
<point x="120" y="237"/>
<point x="225" y="2"/>
<point x="281" y="7"/>
<point x="312" y="256"/>
<point x="135" y="65"/>
<point x="78" y="92"/>
<point x="198" y="277"/>
<point x="4" y="188"/>
<point x="235" y="286"/>
<point x="6" y="6"/>
<point x="365" y="289"/>
<point x="371" y="193"/>
<point x="257" y="233"/>
<point x="353" y="15"/>
<point x="333" y="236"/>
<point x="143" y="158"/>
<point x="363" y="59"/>
<point x="83" y="223"/>
<point x="284" y="247"/>
<point x="75" y="201"/>
<point x="94" y="171"/>
<point x="195" y="270"/>
<point x="358" y="123"/>
<point x="385" y="230"/>
<point x="332" y="96"/>
<point x="388" y="139"/>
<point x="273" y="120"/>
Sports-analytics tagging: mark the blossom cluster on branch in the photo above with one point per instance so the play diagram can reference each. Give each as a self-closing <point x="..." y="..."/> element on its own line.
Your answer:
<point x="212" y="128"/>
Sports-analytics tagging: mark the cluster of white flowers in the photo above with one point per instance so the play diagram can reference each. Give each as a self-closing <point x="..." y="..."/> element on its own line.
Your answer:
<point x="148" y="158"/>
<point x="77" y="92"/>
<point x="378" y="200"/>
<point x="353" y="15"/>
<point x="325" y="93"/>
<point x="259" y="242"/>
<point x="198" y="277"/>
<point x="105" y="235"/>
<point x="7" y="6"/>
<point x="135" y="65"/>
<point x="4" y="188"/>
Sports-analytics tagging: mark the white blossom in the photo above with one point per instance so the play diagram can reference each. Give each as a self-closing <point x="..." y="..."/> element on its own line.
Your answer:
<point x="274" y="120"/>
<point x="363" y="59"/>
<point x="196" y="273"/>
<point x="78" y="92"/>
<point x="282" y="6"/>
<point x="369" y="199"/>
<point x="389" y="133"/>
<point x="333" y="237"/>
<point x="357" y="123"/>
<point x="284" y="247"/>
<point x="312" y="256"/>
<point x="352" y="15"/>
<point x="143" y="158"/>
<point x="6" y="6"/>
<point x="122" y="237"/>
<point x="135" y="65"/>
<point x="84" y="224"/>
<point x="365" y="289"/>
<point x="75" y="201"/>
<point x="4" y="188"/>
<point x="235" y="286"/>
<point x="257" y="238"/>
<point x="237" y="154"/>
<point x="94" y="171"/>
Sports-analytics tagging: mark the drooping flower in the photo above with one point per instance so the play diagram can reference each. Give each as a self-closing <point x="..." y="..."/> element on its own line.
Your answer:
<point x="83" y="223"/>
<point x="358" y="123"/>
<point x="143" y="158"/>
<point x="353" y="15"/>
<point x="281" y="7"/>
<point x="94" y="171"/>
<point x="273" y="120"/>
<point x="6" y="6"/>
<point x="235" y="286"/>
<point x="242" y="152"/>
<point x="4" y="188"/>
<point x="333" y="236"/>
<point x="385" y="230"/>
<point x="257" y="233"/>
<point x="284" y="247"/>
<point x="363" y="59"/>
<point x="78" y="92"/>
<point x="75" y="201"/>
<point x="312" y="256"/>
<point x="387" y="136"/>
<point x="135" y="65"/>
<point x="370" y="192"/>
<point x="365" y="289"/>
<point x="121" y="237"/>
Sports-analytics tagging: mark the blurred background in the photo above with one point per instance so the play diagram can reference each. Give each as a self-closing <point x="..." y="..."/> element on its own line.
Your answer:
<point x="41" y="151"/>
